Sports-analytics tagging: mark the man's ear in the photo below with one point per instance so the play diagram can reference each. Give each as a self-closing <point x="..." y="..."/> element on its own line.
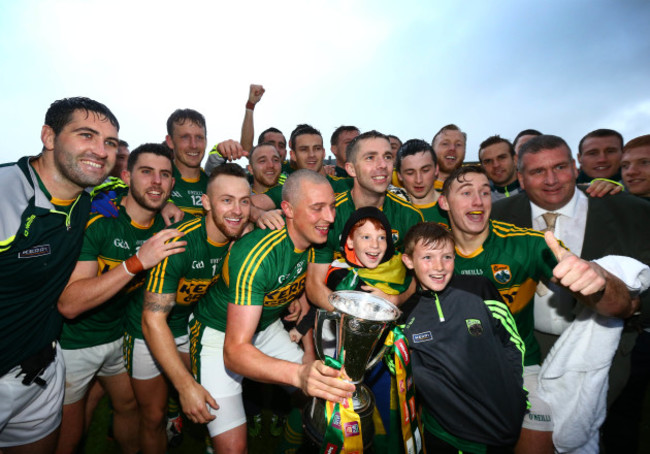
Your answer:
<point x="126" y="177"/>
<point x="349" y="168"/>
<point x="520" y="177"/>
<point x="205" y="201"/>
<point x="168" y="141"/>
<point x="287" y="209"/>
<point x="47" y="137"/>
<point x="442" y="201"/>
<point x="407" y="261"/>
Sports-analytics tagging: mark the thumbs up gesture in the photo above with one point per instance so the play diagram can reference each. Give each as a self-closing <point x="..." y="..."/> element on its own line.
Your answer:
<point x="574" y="273"/>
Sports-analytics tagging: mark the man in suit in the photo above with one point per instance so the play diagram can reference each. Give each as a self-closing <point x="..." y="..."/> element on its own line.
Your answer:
<point x="590" y="227"/>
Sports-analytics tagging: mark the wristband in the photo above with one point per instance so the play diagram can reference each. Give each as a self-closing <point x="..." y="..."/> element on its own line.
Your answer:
<point x="215" y="150"/>
<point x="250" y="105"/>
<point x="609" y="181"/>
<point x="133" y="265"/>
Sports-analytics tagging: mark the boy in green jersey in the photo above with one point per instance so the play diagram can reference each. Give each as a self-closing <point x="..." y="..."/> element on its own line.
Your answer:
<point x="515" y="260"/>
<point x="115" y="250"/>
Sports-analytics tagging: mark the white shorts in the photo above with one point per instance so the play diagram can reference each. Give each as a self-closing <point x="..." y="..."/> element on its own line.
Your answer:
<point x="539" y="416"/>
<point x="81" y="366"/>
<point x="225" y="386"/>
<point x="30" y="413"/>
<point x="139" y="361"/>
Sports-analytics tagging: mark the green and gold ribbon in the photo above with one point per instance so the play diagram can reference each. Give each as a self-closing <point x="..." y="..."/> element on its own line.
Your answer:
<point x="343" y="432"/>
<point x="398" y="360"/>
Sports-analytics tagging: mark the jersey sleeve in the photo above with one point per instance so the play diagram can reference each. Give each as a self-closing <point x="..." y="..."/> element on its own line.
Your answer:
<point x="248" y="273"/>
<point x="275" y="194"/>
<point x="92" y="244"/>
<point x="164" y="277"/>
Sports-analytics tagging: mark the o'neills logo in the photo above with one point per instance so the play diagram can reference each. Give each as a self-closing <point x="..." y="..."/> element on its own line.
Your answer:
<point x="403" y="350"/>
<point x="331" y="449"/>
<point x="36" y="251"/>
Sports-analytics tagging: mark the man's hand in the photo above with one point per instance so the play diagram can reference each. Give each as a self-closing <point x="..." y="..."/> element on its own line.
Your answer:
<point x="295" y="310"/>
<point x="318" y="380"/>
<point x="231" y="150"/>
<point x="271" y="219"/>
<point x="171" y="213"/>
<point x="329" y="170"/>
<point x="195" y="400"/>
<point x="574" y="273"/>
<point x="255" y="93"/>
<point x="156" y="248"/>
<point x="600" y="188"/>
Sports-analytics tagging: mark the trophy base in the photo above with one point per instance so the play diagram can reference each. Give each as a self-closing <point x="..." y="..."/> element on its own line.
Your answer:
<point x="315" y="423"/>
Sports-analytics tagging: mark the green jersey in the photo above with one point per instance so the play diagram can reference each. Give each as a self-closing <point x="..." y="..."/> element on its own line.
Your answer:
<point x="514" y="259"/>
<point x="433" y="213"/>
<point x="109" y="241"/>
<point x="186" y="194"/>
<point x="263" y="268"/>
<point x="400" y="213"/>
<point x="189" y="275"/>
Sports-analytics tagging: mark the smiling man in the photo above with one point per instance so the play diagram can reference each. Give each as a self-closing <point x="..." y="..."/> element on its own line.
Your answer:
<point x="265" y="164"/>
<point x="635" y="166"/>
<point x="599" y="155"/>
<point x="44" y="212"/>
<point x="497" y="156"/>
<point x="449" y="146"/>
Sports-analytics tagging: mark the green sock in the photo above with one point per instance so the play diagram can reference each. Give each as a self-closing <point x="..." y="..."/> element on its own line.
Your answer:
<point x="292" y="435"/>
<point x="173" y="407"/>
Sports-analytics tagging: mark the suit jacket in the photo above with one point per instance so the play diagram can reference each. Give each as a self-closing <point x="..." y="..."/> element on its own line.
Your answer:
<point x="616" y="225"/>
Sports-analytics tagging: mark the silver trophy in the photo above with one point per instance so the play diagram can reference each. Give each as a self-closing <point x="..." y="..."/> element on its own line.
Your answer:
<point x="361" y="319"/>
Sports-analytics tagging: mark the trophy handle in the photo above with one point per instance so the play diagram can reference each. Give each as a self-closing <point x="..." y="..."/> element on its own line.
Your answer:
<point x="382" y="350"/>
<point x="321" y="316"/>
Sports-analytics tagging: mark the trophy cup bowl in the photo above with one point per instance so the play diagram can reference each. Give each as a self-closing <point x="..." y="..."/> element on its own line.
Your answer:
<point x="361" y="319"/>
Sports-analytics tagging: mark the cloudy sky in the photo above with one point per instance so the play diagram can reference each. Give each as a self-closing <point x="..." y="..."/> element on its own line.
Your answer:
<point x="406" y="68"/>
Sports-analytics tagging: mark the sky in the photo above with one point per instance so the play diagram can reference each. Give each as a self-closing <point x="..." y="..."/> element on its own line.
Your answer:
<point x="405" y="68"/>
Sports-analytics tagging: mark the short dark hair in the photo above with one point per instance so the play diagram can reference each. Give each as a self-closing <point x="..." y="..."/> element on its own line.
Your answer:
<point x="411" y="147"/>
<point x="393" y="136"/>
<point x="340" y="130"/>
<point x="123" y="143"/>
<point x="458" y="174"/>
<point x="301" y="130"/>
<point x="493" y="140"/>
<point x="449" y="127"/>
<point x="353" y="146"/>
<point x="153" y="148"/>
<point x="601" y="133"/>
<point x="60" y="112"/>
<point x="260" y="139"/>
<point x="263" y="144"/>
<point x="640" y="141"/>
<point x="427" y="233"/>
<point x="539" y="143"/>
<point x="180" y="116"/>
<point x="525" y="132"/>
<point x="227" y="168"/>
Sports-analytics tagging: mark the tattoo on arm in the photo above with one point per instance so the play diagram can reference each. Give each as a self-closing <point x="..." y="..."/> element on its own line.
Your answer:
<point x="159" y="302"/>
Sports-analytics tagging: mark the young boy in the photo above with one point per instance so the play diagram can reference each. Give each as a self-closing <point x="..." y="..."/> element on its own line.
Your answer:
<point x="467" y="357"/>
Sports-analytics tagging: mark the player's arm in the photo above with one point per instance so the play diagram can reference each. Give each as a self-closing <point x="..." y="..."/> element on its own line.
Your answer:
<point x="242" y="357"/>
<point x="315" y="287"/>
<point x="591" y="283"/>
<point x="248" y="128"/>
<point x="193" y="396"/>
<point x="86" y="290"/>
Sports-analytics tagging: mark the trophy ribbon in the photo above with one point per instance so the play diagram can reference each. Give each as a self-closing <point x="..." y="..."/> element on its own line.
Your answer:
<point x="398" y="359"/>
<point x="343" y="423"/>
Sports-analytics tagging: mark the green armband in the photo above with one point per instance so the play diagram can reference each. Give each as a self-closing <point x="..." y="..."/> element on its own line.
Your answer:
<point x="215" y="151"/>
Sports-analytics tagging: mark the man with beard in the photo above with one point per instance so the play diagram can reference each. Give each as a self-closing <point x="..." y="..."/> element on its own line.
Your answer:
<point x="44" y="210"/>
<point x="178" y="282"/>
<point x="449" y="146"/>
<point x="115" y="249"/>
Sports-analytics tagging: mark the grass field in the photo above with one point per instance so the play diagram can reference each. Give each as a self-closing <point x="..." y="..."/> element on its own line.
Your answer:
<point x="194" y="435"/>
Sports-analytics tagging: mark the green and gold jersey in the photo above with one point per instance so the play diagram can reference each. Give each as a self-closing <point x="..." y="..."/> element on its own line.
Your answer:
<point x="189" y="275"/>
<point x="186" y="194"/>
<point x="433" y="213"/>
<point x="108" y="241"/>
<point x="514" y="259"/>
<point x="263" y="268"/>
<point x="400" y="213"/>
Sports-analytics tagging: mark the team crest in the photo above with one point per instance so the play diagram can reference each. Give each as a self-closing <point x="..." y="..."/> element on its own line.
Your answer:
<point x="474" y="327"/>
<point x="395" y="235"/>
<point x="501" y="273"/>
